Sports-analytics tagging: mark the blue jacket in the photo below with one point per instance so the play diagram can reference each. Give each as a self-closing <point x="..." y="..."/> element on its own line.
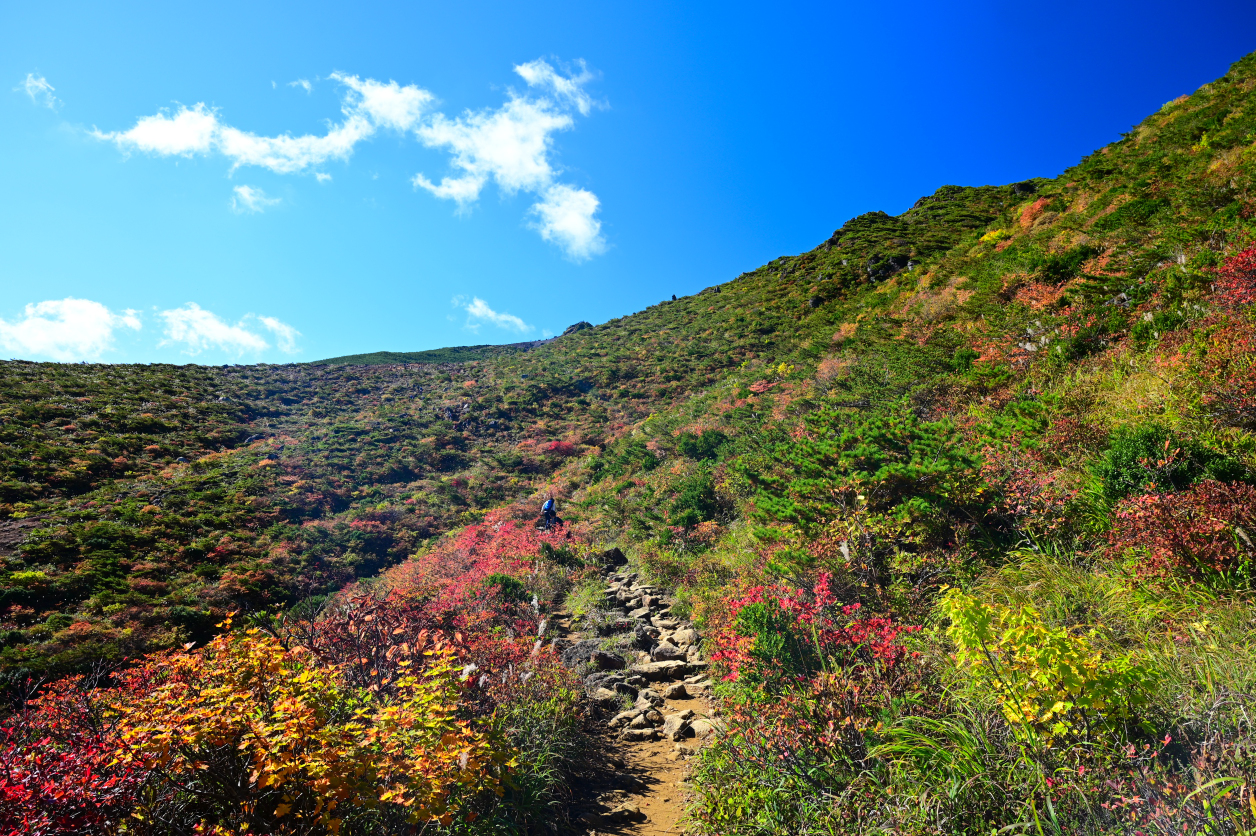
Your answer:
<point x="548" y="506"/>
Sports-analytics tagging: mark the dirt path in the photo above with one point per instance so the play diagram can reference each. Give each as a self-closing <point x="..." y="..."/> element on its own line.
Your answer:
<point x="654" y="712"/>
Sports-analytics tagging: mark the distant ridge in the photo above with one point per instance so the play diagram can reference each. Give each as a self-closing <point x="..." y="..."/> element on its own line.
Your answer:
<point x="453" y="354"/>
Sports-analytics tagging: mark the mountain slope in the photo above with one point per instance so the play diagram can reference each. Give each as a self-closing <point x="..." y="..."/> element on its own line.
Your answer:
<point x="1019" y="417"/>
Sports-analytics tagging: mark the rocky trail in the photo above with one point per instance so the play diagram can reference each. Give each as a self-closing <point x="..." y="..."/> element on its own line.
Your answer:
<point x="648" y="680"/>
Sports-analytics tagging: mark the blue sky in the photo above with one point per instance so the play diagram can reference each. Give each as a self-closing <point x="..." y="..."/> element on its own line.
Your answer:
<point x="242" y="182"/>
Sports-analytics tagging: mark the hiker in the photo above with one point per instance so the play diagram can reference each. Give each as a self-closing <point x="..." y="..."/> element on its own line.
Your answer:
<point x="548" y="514"/>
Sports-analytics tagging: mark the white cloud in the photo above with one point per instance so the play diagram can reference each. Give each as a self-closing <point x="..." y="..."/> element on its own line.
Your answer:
<point x="568" y="88"/>
<point x="65" y="329"/>
<point x="189" y="131"/>
<point x="40" y="91"/>
<point x="387" y="105"/>
<point x="510" y="145"/>
<point x="303" y="83"/>
<point x="199" y="329"/>
<point x="565" y="216"/>
<point x="478" y="313"/>
<point x="251" y="199"/>
<point x="368" y="106"/>
<point x="285" y="334"/>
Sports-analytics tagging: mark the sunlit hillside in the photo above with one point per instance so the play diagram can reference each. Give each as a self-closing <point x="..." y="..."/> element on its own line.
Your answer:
<point x="962" y="503"/>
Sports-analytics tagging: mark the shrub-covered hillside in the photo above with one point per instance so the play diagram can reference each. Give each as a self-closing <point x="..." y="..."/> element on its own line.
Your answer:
<point x="964" y="501"/>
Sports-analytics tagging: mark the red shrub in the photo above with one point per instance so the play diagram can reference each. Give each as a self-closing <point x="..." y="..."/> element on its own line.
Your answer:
<point x="1205" y="530"/>
<point x="1236" y="280"/>
<point x="59" y="773"/>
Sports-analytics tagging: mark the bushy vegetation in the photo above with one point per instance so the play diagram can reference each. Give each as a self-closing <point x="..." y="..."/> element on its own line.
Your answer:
<point x="963" y="501"/>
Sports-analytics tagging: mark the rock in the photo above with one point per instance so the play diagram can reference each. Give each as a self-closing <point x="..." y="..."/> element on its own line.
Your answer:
<point x="664" y="623"/>
<point x="675" y="725"/>
<point x="653" y="717"/>
<point x="605" y="679"/>
<point x="642" y="721"/>
<point x="640" y="614"/>
<point x="625" y="717"/>
<point x="611" y="558"/>
<point x="603" y="661"/>
<point x="643" y="636"/>
<point x="686" y="636"/>
<point x="676" y="692"/>
<point x="579" y="652"/>
<point x="626" y="689"/>
<point x="637" y="604"/>
<point x="702" y="728"/>
<point x="665" y="652"/>
<point x="635" y="681"/>
<point x="640" y="734"/>
<point x="647" y="699"/>
<point x="661" y="671"/>
<point x="606" y="697"/>
<point x="626" y="812"/>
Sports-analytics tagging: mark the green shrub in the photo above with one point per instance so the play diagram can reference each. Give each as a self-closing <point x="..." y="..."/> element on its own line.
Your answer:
<point x="695" y="501"/>
<point x="1152" y="457"/>
<point x="709" y="445"/>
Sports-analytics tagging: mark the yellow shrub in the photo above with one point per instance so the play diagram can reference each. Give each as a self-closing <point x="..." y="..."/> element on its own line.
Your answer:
<point x="1047" y="679"/>
<point x="264" y="734"/>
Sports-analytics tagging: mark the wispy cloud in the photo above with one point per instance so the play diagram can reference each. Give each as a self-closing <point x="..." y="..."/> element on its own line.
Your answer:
<point x="322" y="176"/>
<point x="479" y="312"/>
<point x="510" y="145"/>
<point x="368" y="105"/>
<point x="285" y="334"/>
<point x="65" y="329"/>
<point x="568" y="89"/>
<point x="251" y="199"/>
<point x="303" y="83"/>
<point x="197" y="329"/>
<point x="40" y="91"/>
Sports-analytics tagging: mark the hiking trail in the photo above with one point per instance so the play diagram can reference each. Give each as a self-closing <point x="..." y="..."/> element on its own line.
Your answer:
<point x="654" y="710"/>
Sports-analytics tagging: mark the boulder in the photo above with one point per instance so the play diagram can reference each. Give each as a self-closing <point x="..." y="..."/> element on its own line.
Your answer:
<point x="640" y="734"/>
<point x="642" y="721"/>
<point x="687" y="635"/>
<point x="661" y="671"/>
<point x="579" y="652"/>
<point x="702" y="728"/>
<point x="643" y="636"/>
<point x="664" y="623"/>
<point x="603" y="661"/>
<point x="647" y="699"/>
<point x="639" y="614"/>
<point x="611" y="558"/>
<point x="665" y="652"/>
<point x="625" y="717"/>
<point x="678" y="691"/>
<point x="602" y="696"/>
<point x="675" y="725"/>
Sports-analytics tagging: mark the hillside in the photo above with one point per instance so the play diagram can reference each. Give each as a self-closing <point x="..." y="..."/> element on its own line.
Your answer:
<point x="961" y="501"/>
